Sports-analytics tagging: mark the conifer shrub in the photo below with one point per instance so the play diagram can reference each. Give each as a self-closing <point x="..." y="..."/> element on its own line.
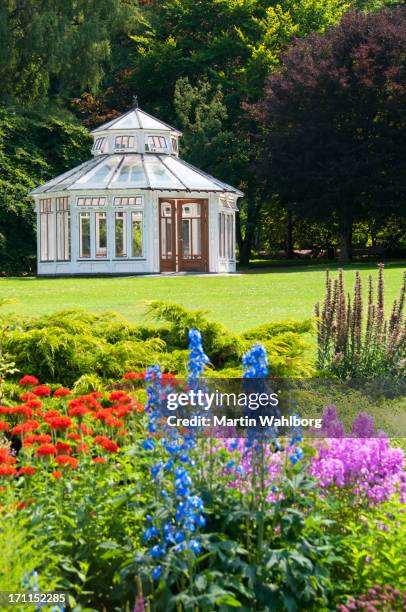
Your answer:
<point x="72" y="345"/>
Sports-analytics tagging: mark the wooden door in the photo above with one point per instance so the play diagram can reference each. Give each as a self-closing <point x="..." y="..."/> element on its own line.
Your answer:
<point x="167" y="235"/>
<point x="183" y="235"/>
<point x="192" y="235"/>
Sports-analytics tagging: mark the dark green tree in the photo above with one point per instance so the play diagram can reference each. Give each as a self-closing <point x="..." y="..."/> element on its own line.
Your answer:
<point x="232" y="44"/>
<point x="58" y="48"/>
<point x="335" y="123"/>
<point x="33" y="149"/>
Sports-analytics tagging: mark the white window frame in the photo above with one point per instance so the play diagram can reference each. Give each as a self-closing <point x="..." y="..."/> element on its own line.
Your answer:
<point x="175" y="145"/>
<point x="226" y="231"/>
<point x="129" y="209"/>
<point x="128" y="142"/>
<point x="156" y="148"/>
<point x="47" y="230"/>
<point x="99" y="144"/>
<point x="92" y="205"/>
<point x="63" y="245"/>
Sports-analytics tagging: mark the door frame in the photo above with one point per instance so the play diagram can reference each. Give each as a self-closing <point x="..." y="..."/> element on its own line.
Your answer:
<point x="177" y="264"/>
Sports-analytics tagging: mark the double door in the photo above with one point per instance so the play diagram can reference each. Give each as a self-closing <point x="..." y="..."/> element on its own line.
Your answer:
<point x="183" y="235"/>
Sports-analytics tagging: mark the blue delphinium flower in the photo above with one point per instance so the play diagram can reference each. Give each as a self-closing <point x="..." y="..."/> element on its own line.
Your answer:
<point x="197" y="357"/>
<point x="195" y="546"/>
<point x="171" y="471"/>
<point x="255" y="362"/>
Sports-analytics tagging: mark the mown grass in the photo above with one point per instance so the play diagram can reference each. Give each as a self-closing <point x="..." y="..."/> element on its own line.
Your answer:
<point x="239" y="301"/>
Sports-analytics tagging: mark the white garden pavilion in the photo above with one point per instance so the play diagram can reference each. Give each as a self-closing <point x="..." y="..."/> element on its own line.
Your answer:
<point x="135" y="207"/>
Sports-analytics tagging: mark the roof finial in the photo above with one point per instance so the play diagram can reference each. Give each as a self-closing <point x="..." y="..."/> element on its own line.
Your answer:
<point x="135" y="101"/>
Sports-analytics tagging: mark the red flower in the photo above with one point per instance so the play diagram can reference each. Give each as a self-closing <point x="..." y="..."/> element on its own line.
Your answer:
<point x="46" y="449"/>
<point x="62" y="392"/>
<point x="78" y="410"/>
<point x="67" y="460"/>
<point x="42" y="391"/>
<point x="34" y="403"/>
<point x="57" y="474"/>
<point x="88" y="431"/>
<point x="24" y="409"/>
<point x="29" y="425"/>
<point x="73" y="436"/>
<point x="134" y="375"/>
<point x="122" y="410"/>
<point x="106" y="443"/>
<point x="51" y="413"/>
<point x="5" y="456"/>
<point x="118" y="395"/>
<point x="6" y="409"/>
<point x="109" y="445"/>
<point x="63" y="447"/>
<point x="59" y="422"/>
<point x="28" y="380"/>
<point x="3" y="426"/>
<point x="7" y="470"/>
<point x="40" y="438"/>
<point x="102" y="414"/>
<point x="82" y="448"/>
<point x="168" y="377"/>
<point x="99" y="460"/>
<point x="112" y="422"/>
<point x="27" y="469"/>
<point x="27" y="395"/>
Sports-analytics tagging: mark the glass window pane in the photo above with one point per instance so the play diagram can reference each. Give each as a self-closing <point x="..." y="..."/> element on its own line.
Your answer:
<point x="196" y="238"/>
<point x="189" y="177"/>
<point x="186" y="239"/>
<point x="166" y="238"/>
<point x="120" y="234"/>
<point x="62" y="236"/>
<point x="47" y="236"/>
<point x="84" y="234"/>
<point x="136" y="234"/>
<point x="221" y="234"/>
<point x="101" y="234"/>
<point x="159" y="175"/>
<point x="101" y="174"/>
<point x="131" y="173"/>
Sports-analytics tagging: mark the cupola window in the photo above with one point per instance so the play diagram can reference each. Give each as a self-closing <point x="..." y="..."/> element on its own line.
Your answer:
<point x="156" y="143"/>
<point x="125" y="142"/>
<point x="100" y="144"/>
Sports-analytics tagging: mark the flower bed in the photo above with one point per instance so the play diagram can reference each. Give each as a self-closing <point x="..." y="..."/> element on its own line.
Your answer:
<point x="103" y="503"/>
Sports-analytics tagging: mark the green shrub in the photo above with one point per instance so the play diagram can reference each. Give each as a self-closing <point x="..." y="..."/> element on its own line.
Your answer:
<point x="372" y="546"/>
<point x="270" y="330"/>
<point x="66" y="345"/>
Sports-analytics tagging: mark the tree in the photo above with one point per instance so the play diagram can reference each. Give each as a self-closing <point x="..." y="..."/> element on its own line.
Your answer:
<point x="33" y="149"/>
<point x="334" y="122"/>
<point x="201" y="115"/>
<point x="57" y="48"/>
<point x="231" y="44"/>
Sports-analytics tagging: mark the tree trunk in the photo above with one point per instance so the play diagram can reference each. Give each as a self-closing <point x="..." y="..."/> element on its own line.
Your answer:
<point x="289" y="236"/>
<point x="246" y="246"/>
<point x="238" y="233"/>
<point x="345" y="243"/>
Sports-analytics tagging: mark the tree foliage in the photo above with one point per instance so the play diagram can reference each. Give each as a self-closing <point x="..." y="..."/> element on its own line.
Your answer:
<point x="33" y="149"/>
<point x="334" y="119"/>
<point x="193" y="63"/>
<point x="57" y="48"/>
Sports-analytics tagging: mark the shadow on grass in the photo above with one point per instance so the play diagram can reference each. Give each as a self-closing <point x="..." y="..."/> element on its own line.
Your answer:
<point x="278" y="267"/>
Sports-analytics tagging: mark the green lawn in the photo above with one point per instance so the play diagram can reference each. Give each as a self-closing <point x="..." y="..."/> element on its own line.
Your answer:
<point x="238" y="301"/>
